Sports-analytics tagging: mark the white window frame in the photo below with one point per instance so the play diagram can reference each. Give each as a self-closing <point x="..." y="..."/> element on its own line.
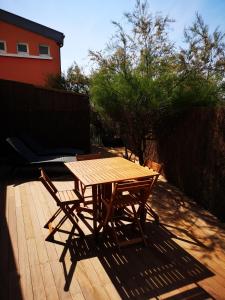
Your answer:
<point x="44" y="55"/>
<point x="5" y="50"/>
<point x="22" y="52"/>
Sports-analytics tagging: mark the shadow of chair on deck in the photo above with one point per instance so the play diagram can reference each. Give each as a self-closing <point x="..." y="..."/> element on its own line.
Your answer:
<point x="139" y="272"/>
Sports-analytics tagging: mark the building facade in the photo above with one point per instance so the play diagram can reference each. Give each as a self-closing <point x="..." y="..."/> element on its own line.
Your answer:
<point x="29" y="52"/>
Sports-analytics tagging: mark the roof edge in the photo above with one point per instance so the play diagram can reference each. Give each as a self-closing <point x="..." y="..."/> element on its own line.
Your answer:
<point x="32" y="26"/>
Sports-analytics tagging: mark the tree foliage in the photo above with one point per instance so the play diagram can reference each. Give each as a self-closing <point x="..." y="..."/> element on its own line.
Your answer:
<point x="205" y="52"/>
<point x="201" y="65"/>
<point x="129" y="88"/>
<point x="77" y="81"/>
<point x="141" y="79"/>
<point x="74" y="80"/>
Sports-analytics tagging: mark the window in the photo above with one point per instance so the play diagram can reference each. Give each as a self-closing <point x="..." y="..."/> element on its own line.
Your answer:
<point x="2" y="46"/>
<point x="44" y="50"/>
<point x="22" y="48"/>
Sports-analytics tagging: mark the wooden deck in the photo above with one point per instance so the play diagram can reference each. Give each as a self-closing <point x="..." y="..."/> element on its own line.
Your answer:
<point x="185" y="258"/>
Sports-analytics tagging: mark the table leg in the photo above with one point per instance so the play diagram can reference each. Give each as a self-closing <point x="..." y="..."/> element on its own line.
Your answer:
<point x="95" y="208"/>
<point x="76" y="183"/>
<point x="107" y="190"/>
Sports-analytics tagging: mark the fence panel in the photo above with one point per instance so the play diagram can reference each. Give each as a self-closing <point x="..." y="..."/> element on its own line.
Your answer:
<point x="56" y="118"/>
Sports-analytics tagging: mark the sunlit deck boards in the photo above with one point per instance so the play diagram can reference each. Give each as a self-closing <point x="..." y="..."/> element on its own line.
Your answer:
<point x="185" y="257"/>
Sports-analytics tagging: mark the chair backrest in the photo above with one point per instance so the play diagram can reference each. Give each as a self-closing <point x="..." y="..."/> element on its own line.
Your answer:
<point x="157" y="167"/>
<point x="49" y="185"/>
<point x="140" y="189"/>
<point x="88" y="156"/>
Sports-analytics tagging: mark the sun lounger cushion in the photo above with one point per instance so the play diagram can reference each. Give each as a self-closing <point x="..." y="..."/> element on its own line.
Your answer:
<point x="32" y="158"/>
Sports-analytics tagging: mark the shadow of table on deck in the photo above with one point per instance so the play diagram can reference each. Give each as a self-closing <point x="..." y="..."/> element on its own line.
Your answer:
<point x="139" y="272"/>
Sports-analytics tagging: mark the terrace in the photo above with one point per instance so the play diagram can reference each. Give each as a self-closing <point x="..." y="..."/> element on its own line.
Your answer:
<point x="184" y="259"/>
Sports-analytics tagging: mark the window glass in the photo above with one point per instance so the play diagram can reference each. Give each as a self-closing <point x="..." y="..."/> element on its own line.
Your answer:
<point x="2" y="46"/>
<point x="22" y="48"/>
<point x="43" y="50"/>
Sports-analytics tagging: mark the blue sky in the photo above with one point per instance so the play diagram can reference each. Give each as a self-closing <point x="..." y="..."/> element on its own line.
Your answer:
<point x="87" y="24"/>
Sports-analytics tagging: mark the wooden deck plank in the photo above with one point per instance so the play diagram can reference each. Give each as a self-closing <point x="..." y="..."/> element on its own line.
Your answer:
<point x="45" y="208"/>
<point x="78" y="297"/>
<point x="5" y="243"/>
<point x="91" y="273"/>
<point x="36" y="276"/>
<point x="49" y="283"/>
<point x="85" y="285"/>
<point x="112" y="292"/>
<point x="24" y="267"/>
<point x="60" y="281"/>
<point x="37" y="282"/>
<point x="51" y="248"/>
<point x="26" y="213"/>
<point x="12" y="226"/>
<point x="70" y="276"/>
<point x="38" y="231"/>
<point x="14" y="286"/>
<point x="93" y="270"/>
<point x="214" y="289"/>
<point x="89" y="289"/>
<point x="104" y="278"/>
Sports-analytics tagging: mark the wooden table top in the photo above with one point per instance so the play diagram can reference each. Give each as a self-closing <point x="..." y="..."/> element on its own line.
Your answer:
<point x="107" y="170"/>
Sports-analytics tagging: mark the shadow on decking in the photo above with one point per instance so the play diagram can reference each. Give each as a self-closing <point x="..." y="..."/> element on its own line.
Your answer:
<point x="9" y="285"/>
<point x="139" y="272"/>
<point x="187" y="219"/>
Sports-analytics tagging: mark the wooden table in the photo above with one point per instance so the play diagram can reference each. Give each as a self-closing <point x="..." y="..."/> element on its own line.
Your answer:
<point x="96" y="172"/>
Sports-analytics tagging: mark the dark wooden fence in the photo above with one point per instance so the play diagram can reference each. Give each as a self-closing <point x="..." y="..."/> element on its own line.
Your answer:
<point x="193" y="152"/>
<point x="54" y="117"/>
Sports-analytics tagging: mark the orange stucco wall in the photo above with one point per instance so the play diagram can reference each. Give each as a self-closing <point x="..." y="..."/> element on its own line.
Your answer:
<point x="26" y="69"/>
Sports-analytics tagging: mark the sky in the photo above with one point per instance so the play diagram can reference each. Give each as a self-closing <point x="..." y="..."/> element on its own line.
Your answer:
<point x="87" y="24"/>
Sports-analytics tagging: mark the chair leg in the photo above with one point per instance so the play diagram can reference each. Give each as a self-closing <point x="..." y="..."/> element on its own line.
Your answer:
<point x="53" y="230"/>
<point x="138" y="224"/>
<point x="68" y="211"/>
<point x="74" y="222"/>
<point x="110" y="219"/>
<point x="52" y="218"/>
<point x="151" y="212"/>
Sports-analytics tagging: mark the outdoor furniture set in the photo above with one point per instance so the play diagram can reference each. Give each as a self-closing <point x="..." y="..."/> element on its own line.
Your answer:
<point x="117" y="196"/>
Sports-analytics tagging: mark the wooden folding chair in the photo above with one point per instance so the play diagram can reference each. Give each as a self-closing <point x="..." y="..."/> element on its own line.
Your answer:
<point x="127" y="203"/>
<point x="67" y="202"/>
<point x="157" y="167"/>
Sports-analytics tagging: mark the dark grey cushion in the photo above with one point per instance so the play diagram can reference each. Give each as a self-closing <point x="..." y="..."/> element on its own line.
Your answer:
<point x="32" y="158"/>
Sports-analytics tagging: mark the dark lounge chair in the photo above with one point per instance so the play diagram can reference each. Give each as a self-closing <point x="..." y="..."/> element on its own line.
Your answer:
<point x="32" y="158"/>
<point x="34" y="145"/>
